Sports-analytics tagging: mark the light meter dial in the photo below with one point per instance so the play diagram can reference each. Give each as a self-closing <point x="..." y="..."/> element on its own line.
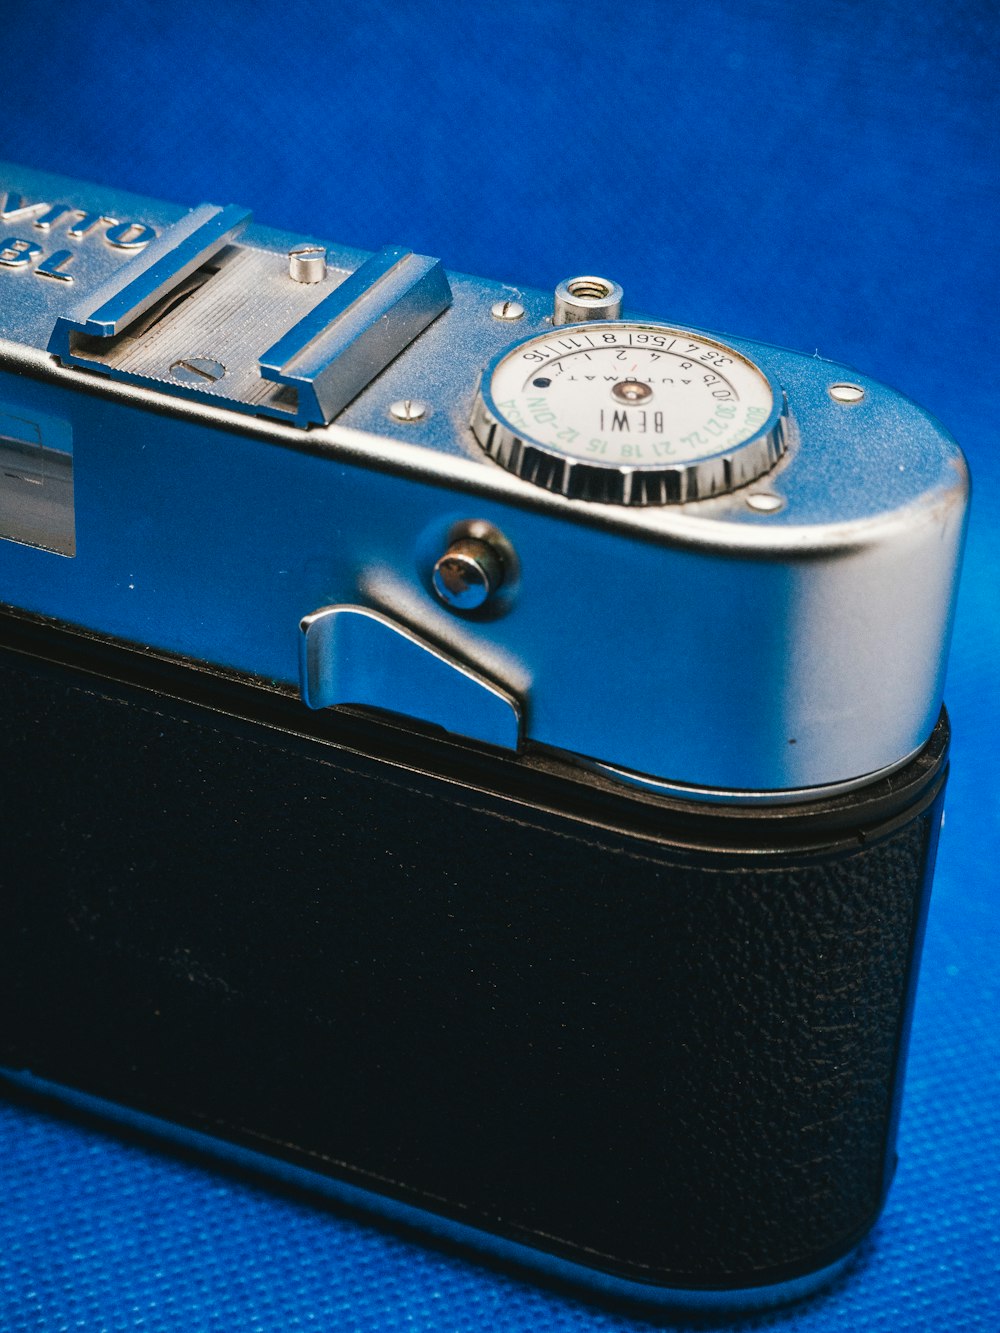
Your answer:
<point x="629" y="413"/>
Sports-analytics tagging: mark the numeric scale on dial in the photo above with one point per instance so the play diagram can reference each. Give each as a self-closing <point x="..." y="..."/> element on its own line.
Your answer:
<point x="629" y="413"/>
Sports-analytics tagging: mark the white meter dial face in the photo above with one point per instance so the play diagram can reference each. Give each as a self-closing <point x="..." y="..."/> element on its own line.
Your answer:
<point x="629" y="399"/>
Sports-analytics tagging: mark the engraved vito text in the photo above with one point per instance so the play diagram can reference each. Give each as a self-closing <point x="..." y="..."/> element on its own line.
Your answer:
<point x="68" y="222"/>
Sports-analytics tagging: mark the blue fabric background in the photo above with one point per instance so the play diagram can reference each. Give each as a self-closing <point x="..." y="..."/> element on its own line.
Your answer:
<point x="825" y="178"/>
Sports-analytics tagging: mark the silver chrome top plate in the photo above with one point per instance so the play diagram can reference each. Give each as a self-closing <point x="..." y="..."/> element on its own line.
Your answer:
<point x="788" y="635"/>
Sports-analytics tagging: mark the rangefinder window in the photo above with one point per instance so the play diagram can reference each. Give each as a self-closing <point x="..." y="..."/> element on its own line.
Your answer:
<point x="36" y="483"/>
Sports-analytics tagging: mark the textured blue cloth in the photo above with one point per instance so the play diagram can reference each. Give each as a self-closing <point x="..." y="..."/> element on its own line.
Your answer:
<point x="825" y="178"/>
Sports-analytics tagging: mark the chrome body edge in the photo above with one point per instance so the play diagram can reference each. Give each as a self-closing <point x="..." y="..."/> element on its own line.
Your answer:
<point x="709" y="645"/>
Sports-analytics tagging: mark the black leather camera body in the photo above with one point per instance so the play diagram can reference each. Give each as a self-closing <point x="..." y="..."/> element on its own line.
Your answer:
<point x="481" y="755"/>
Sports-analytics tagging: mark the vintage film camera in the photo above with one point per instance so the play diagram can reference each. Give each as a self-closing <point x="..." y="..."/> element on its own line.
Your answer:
<point x="482" y="752"/>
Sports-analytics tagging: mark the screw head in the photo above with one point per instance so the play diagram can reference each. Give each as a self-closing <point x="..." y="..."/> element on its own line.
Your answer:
<point x="408" y="409"/>
<point x="468" y="574"/>
<point x="197" y="370"/>
<point x="509" y="310"/>
<point x="307" y="263"/>
<point x="632" y="391"/>
<point x="846" y="393"/>
<point x="764" y="502"/>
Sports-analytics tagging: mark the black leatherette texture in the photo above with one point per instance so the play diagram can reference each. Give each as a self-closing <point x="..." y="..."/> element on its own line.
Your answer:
<point x="674" y="1066"/>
